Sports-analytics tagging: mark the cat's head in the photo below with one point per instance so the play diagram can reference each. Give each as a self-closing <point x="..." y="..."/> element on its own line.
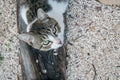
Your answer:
<point x="43" y="35"/>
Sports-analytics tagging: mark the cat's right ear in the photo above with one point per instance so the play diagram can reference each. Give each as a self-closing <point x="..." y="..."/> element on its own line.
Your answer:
<point x="41" y="14"/>
<point x="26" y="37"/>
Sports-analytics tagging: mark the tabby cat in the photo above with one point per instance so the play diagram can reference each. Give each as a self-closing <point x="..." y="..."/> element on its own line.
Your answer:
<point x="45" y="23"/>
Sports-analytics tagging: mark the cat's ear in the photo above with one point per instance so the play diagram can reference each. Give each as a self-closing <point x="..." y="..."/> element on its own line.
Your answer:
<point x="26" y="37"/>
<point x="41" y="14"/>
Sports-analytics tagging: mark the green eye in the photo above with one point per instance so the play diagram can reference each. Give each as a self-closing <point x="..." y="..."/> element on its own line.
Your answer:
<point x="54" y="30"/>
<point x="46" y="42"/>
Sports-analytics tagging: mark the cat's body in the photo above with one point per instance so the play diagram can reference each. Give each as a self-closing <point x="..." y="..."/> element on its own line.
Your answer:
<point x="45" y="31"/>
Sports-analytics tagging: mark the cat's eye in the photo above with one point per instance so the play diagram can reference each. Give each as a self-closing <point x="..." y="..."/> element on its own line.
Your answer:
<point x="46" y="42"/>
<point x="54" y="30"/>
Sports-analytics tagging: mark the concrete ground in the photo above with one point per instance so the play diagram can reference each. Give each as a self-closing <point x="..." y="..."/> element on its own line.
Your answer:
<point x="93" y="35"/>
<point x="10" y="68"/>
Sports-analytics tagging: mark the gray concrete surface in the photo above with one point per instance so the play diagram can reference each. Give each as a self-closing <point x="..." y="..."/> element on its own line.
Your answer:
<point x="10" y="68"/>
<point x="110" y="2"/>
<point x="93" y="34"/>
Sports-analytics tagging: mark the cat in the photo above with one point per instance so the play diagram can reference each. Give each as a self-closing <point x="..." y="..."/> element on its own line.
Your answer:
<point x="45" y="23"/>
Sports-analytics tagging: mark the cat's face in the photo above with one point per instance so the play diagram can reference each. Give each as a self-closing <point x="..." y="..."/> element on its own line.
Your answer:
<point x="43" y="36"/>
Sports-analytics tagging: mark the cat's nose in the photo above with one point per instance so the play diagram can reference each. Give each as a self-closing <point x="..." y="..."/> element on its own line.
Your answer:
<point x="59" y="41"/>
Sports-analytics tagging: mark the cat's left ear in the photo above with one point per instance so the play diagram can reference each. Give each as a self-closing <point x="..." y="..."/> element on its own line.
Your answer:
<point x="41" y="14"/>
<point x="26" y="37"/>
